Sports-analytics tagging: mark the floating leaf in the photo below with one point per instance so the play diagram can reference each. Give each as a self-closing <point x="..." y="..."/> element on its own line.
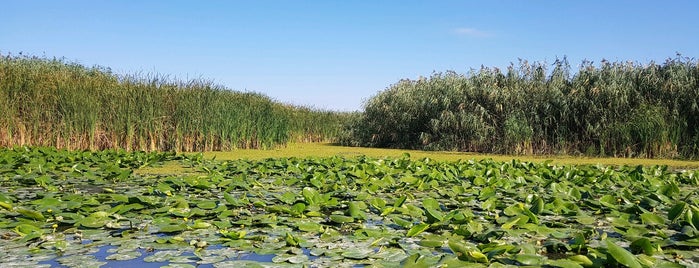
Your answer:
<point x="199" y="224"/>
<point x="31" y="214"/>
<point x="563" y="263"/>
<point x="434" y="215"/>
<point x="695" y="217"/>
<point x="676" y="211"/>
<point x="415" y="261"/>
<point x="288" y="197"/>
<point x="341" y="219"/>
<point x="519" y="220"/>
<point x="308" y="226"/>
<point x="355" y="209"/>
<point x="357" y="253"/>
<point x="25" y="229"/>
<point x="652" y="219"/>
<point x="608" y="201"/>
<point x="417" y="229"/>
<point x="622" y="255"/>
<point x="311" y="196"/>
<point x="291" y="240"/>
<point x="124" y="256"/>
<point x="529" y="259"/>
<point x="537" y="205"/>
<point x="399" y="202"/>
<point x="5" y="205"/>
<point x="642" y="245"/>
<point x="206" y="204"/>
<point x="171" y="227"/>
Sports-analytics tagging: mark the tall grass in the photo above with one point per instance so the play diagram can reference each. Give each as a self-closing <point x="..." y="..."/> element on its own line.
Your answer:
<point x="53" y="102"/>
<point x="613" y="108"/>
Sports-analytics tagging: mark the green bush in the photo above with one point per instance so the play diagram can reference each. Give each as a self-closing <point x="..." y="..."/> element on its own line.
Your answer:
<point x="614" y="108"/>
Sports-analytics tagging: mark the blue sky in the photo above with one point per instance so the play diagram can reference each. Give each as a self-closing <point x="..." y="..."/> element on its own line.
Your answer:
<point x="335" y="54"/>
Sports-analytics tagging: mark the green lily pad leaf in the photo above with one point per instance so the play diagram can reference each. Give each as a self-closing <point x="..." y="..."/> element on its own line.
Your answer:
<point x="6" y="205"/>
<point x="179" y="211"/>
<point x="183" y="259"/>
<point x="235" y="235"/>
<point x="430" y="203"/>
<point x="695" y="217"/>
<point x="390" y="254"/>
<point x="198" y="224"/>
<point x="99" y="214"/>
<point x="93" y="222"/>
<point x="179" y="265"/>
<point x="124" y="256"/>
<point x="377" y="203"/>
<point x="529" y="259"/>
<point x="150" y="201"/>
<point x="288" y="197"/>
<point x="431" y="243"/>
<point x="666" y="264"/>
<point x="537" y="205"/>
<point x="608" y="201"/>
<point x="387" y="211"/>
<point x="477" y="256"/>
<point x="460" y="249"/>
<point x="642" y="245"/>
<point x="25" y="229"/>
<point x="399" y="202"/>
<point x="311" y="196"/>
<point x="532" y="217"/>
<point x="417" y="229"/>
<point x="299" y="258"/>
<point x="297" y="209"/>
<point x="434" y="215"/>
<point x="397" y="219"/>
<point x="330" y="235"/>
<point x="128" y="207"/>
<point x="206" y="204"/>
<point x="416" y="261"/>
<point x="309" y="226"/>
<point x="622" y="255"/>
<point x="453" y="261"/>
<point x="291" y="240"/>
<point x="235" y="201"/>
<point x="80" y="261"/>
<point x="512" y="210"/>
<point x="519" y="220"/>
<point x="688" y="217"/>
<point x="357" y="253"/>
<point x="164" y="188"/>
<point x="563" y="263"/>
<point x="584" y="219"/>
<point x="30" y="214"/>
<point x="172" y="227"/>
<point x="676" y="211"/>
<point x="341" y="218"/>
<point x="240" y="264"/>
<point x="356" y="209"/>
<point x="31" y="236"/>
<point x="652" y="219"/>
<point x="582" y="260"/>
<point x="5" y="199"/>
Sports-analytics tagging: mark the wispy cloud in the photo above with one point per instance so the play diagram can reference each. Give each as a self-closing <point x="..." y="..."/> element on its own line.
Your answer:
<point x="473" y="32"/>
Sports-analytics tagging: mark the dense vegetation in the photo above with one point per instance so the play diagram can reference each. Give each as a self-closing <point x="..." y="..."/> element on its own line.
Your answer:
<point x="52" y="102"/>
<point x="616" y="108"/>
<point x="81" y="208"/>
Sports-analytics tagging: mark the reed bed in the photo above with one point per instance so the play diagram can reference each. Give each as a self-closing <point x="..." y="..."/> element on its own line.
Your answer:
<point x="54" y="102"/>
<point x="608" y="109"/>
